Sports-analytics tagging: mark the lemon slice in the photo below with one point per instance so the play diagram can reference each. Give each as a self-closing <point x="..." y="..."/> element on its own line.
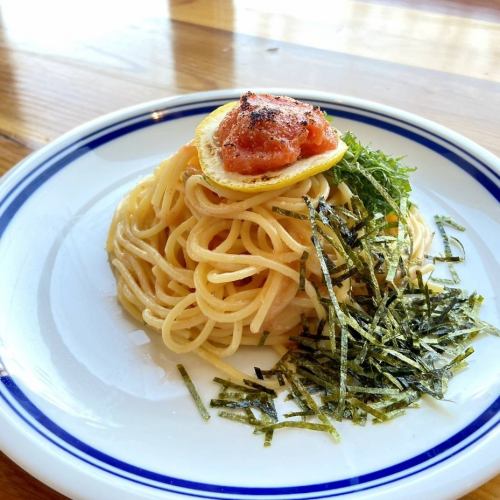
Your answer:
<point x="213" y="166"/>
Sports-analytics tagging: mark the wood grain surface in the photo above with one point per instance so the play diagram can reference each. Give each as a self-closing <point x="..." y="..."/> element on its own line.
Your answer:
<point x="63" y="63"/>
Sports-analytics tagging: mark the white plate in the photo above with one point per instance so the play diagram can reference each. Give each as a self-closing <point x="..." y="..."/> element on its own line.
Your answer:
<point x="93" y="405"/>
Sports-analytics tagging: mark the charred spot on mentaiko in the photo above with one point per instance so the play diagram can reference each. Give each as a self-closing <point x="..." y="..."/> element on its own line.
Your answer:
<point x="263" y="114"/>
<point x="244" y="104"/>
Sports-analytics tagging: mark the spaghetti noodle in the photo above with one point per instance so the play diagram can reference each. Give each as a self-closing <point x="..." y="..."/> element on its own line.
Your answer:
<point x="212" y="269"/>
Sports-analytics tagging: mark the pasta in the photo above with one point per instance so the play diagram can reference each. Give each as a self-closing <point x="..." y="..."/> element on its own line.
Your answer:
<point x="212" y="269"/>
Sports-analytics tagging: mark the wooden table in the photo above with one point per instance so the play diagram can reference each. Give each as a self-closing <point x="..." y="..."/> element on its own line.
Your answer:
<point x="65" y="62"/>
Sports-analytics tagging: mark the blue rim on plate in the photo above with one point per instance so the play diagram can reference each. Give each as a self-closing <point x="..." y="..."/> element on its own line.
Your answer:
<point x="11" y="393"/>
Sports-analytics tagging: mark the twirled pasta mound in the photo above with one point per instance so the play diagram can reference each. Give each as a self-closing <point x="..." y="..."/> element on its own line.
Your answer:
<point x="212" y="269"/>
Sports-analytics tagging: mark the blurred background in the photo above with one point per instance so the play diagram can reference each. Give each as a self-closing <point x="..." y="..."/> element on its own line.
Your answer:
<point x="65" y="62"/>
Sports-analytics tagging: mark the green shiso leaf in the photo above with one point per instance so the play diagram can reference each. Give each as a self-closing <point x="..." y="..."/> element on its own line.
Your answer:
<point x="379" y="180"/>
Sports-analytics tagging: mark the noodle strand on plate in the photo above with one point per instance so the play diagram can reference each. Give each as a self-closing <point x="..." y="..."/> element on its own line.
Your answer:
<point x="212" y="269"/>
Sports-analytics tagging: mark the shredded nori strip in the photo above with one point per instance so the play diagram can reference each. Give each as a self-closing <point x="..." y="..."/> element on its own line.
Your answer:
<point x="263" y="338"/>
<point x="259" y="387"/>
<point x="222" y="403"/>
<point x="289" y="213"/>
<point x="372" y="357"/>
<point x="308" y="413"/>
<point x="236" y="417"/>
<point x="194" y="393"/>
<point x="298" y="425"/>
<point x="452" y="258"/>
<point x="268" y="436"/>
<point x="397" y="255"/>
<point x="227" y="383"/>
<point x="449" y="258"/>
<point x="339" y="315"/>
<point x="309" y="401"/>
<point x="369" y="409"/>
<point x="302" y="271"/>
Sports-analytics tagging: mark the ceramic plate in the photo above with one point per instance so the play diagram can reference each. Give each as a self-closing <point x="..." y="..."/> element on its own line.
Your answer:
<point x="93" y="405"/>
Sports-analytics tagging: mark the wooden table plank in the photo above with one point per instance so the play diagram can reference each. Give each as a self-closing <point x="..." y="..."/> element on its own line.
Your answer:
<point x="487" y="10"/>
<point x="11" y="152"/>
<point x="17" y="484"/>
<point x="489" y="491"/>
<point x="386" y="32"/>
<point x="48" y="96"/>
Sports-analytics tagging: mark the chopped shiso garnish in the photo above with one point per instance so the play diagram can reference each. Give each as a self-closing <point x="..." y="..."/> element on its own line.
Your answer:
<point x="194" y="393"/>
<point x="394" y="341"/>
<point x="379" y="180"/>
